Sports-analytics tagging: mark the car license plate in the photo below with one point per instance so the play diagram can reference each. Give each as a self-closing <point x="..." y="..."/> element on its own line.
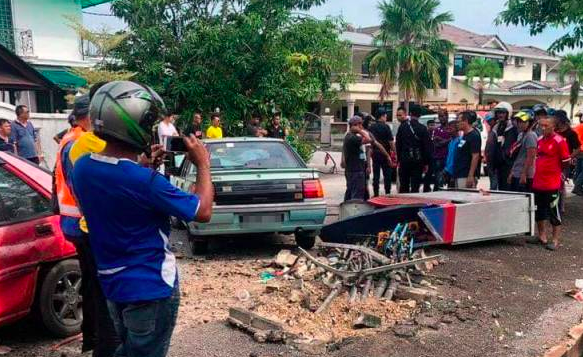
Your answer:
<point x="261" y="218"/>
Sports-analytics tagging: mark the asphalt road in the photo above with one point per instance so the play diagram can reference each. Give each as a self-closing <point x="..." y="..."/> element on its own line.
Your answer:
<point x="500" y="298"/>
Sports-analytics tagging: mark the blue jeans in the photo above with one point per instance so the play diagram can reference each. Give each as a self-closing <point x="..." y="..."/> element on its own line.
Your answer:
<point x="145" y="327"/>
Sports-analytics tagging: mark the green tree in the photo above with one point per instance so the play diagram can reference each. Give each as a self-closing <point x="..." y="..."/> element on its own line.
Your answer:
<point x="104" y="43"/>
<point x="572" y="65"/>
<point x="409" y="50"/>
<point x="486" y="71"/>
<point x="240" y="56"/>
<point x="540" y="14"/>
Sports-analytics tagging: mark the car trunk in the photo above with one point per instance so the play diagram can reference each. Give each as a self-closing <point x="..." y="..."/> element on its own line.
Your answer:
<point x="261" y="186"/>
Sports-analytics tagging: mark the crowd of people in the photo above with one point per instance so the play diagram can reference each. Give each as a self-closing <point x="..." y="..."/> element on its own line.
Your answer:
<point x="531" y="150"/>
<point x="254" y="127"/>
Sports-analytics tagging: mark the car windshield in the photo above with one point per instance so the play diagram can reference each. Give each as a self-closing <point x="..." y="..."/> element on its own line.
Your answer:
<point x="251" y="155"/>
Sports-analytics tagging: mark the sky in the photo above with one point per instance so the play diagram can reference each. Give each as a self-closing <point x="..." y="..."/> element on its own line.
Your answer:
<point x="474" y="15"/>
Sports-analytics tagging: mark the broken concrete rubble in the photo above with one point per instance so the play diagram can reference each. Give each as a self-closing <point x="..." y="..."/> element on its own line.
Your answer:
<point x="285" y="258"/>
<point x="367" y="321"/>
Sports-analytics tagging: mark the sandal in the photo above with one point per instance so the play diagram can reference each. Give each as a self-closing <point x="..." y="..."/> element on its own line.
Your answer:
<point x="535" y="240"/>
<point x="551" y="246"/>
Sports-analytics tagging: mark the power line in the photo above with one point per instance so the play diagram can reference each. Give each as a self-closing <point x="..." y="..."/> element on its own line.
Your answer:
<point x="97" y="13"/>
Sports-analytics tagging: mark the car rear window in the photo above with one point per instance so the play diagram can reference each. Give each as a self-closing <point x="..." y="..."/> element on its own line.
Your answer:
<point x="18" y="201"/>
<point x="251" y="155"/>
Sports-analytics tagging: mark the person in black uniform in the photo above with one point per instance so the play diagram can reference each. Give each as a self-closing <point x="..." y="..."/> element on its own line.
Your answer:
<point x="380" y="162"/>
<point x="413" y="150"/>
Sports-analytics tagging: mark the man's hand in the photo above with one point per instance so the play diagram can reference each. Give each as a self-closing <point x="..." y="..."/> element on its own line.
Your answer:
<point x="197" y="153"/>
<point x="509" y="179"/>
<point x="368" y="170"/>
<point x="523" y="179"/>
<point x="425" y="169"/>
<point x="156" y="158"/>
<point x="471" y="182"/>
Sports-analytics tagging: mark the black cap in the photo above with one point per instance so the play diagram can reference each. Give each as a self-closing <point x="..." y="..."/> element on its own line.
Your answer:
<point x="81" y="106"/>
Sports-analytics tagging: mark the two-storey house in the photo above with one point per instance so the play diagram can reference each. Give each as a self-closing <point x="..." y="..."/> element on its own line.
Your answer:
<point x="530" y="75"/>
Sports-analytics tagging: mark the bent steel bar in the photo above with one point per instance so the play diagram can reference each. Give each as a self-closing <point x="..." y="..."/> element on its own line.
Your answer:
<point x="351" y="275"/>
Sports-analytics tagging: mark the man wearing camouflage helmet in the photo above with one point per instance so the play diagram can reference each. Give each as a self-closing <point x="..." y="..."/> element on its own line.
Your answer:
<point x="127" y="206"/>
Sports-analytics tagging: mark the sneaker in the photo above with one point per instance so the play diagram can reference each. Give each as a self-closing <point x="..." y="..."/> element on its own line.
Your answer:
<point x="551" y="246"/>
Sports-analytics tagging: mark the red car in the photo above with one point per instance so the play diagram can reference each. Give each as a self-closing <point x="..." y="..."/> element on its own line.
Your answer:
<point x="38" y="268"/>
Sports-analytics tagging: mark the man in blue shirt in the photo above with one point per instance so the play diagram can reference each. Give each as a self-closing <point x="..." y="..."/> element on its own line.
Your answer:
<point x="5" y="129"/>
<point x="127" y="207"/>
<point x="24" y="136"/>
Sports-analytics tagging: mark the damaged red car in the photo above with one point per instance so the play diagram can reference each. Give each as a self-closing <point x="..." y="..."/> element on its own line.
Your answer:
<point x="39" y="272"/>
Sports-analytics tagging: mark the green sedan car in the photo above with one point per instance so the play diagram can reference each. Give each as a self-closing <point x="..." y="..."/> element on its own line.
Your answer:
<point x="261" y="186"/>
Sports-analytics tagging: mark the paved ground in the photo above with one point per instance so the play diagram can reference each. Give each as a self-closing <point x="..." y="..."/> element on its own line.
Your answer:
<point x="501" y="298"/>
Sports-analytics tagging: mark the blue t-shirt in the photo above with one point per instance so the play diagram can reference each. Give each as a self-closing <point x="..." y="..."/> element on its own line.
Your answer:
<point x="69" y="225"/>
<point x="127" y="208"/>
<point x="451" y="152"/>
<point x="25" y="138"/>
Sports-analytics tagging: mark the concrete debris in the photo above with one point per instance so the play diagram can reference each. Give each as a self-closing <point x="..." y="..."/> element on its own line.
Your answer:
<point x="285" y="258"/>
<point x="272" y="287"/>
<point x="311" y="346"/>
<point x="405" y="331"/>
<point x="417" y="294"/>
<point x="261" y="328"/>
<point x="427" y="321"/>
<point x="367" y="321"/>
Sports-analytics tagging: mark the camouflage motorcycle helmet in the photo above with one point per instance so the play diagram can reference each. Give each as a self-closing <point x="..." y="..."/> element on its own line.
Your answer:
<point x="126" y="111"/>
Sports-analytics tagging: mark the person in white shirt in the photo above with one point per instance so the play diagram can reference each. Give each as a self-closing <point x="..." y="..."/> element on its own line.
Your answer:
<point x="166" y="128"/>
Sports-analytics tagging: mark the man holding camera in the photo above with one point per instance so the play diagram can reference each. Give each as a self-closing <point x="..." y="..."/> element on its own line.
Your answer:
<point x="127" y="205"/>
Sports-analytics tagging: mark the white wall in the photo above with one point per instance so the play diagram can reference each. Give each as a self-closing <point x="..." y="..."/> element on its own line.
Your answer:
<point x="49" y="125"/>
<point x="52" y="38"/>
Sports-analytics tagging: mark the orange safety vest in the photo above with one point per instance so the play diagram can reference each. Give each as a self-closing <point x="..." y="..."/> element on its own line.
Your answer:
<point x="67" y="203"/>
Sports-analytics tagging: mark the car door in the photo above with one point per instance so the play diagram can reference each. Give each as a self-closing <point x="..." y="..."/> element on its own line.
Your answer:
<point x="25" y="220"/>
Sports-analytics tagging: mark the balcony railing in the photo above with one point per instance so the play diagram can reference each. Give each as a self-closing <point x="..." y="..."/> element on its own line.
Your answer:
<point x="19" y="41"/>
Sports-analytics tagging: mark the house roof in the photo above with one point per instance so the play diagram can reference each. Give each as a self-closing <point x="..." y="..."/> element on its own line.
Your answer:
<point x="16" y="74"/>
<point x="522" y="88"/>
<point x="464" y="38"/>
<point x="89" y="3"/>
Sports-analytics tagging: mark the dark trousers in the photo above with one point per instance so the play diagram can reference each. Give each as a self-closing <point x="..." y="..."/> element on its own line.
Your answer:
<point x="355" y="185"/>
<point x="430" y="177"/>
<point x="378" y="165"/>
<point x="98" y="330"/>
<point x="34" y="160"/>
<point x="410" y="177"/>
<point x="439" y="174"/>
<point x="503" y="172"/>
<point x="517" y="187"/>
<point x="145" y="327"/>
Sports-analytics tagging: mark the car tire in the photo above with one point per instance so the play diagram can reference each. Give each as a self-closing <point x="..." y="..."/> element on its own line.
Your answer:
<point x="306" y="240"/>
<point x="198" y="245"/>
<point x="60" y="299"/>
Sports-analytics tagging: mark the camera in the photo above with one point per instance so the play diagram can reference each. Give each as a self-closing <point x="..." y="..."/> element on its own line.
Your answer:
<point x="174" y="144"/>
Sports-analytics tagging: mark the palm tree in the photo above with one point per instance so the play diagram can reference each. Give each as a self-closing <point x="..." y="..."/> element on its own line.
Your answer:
<point x="572" y="64"/>
<point x="482" y="69"/>
<point x="409" y="51"/>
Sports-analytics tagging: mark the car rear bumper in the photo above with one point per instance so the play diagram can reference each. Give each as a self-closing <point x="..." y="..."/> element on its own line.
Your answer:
<point x="267" y="218"/>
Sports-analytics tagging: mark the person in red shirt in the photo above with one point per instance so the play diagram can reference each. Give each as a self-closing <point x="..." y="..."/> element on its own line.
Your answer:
<point x="552" y="156"/>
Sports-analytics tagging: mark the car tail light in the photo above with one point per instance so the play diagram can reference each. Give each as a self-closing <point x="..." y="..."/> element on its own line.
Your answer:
<point x="313" y="189"/>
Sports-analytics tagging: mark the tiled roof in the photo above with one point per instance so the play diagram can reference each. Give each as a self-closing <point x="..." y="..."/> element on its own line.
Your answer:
<point x="521" y="87"/>
<point x="464" y="38"/>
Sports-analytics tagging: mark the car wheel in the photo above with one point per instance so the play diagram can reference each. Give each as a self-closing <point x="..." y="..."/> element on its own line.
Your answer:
<point x="60" y="299"/>
<point x="198" y="245"/>
<point x="306" y="240"/>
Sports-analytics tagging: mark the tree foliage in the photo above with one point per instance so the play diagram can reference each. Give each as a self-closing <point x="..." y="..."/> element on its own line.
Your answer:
<point x="572" y="65"/>
<point x="409" y="51"/>
<point x="240" y="56"/>
<point x="540" y="14"/>
<point x="483" y="69"/>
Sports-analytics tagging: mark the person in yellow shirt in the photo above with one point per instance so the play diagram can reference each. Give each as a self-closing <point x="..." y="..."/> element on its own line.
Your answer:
<point x="214" y="131"/>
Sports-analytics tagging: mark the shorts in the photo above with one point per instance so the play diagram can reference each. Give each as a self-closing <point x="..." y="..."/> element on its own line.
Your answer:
<point x="547" y="207"/>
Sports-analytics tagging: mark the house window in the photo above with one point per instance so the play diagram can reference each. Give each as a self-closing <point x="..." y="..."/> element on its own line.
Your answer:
<point x="458" y="65"/>
<point x="6" y="29"/>
<point x="364" y="69"/>
<point x="536" y="71"/>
